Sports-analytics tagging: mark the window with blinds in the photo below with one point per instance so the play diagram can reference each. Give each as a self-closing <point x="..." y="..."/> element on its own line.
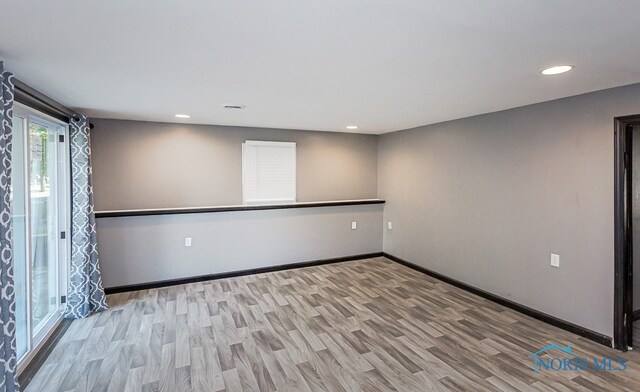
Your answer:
<point x="268" y="172"/>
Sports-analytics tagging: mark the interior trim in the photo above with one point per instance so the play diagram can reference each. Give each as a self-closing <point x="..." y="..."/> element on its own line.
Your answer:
<point x="622" y="232"/>
<point x="536" y="314"/>
<point x="233" y="274"/>
<point x="201" y="210"/>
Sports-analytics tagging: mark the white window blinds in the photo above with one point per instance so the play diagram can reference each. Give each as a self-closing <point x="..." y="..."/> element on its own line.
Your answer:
<point x="268" y="172"/>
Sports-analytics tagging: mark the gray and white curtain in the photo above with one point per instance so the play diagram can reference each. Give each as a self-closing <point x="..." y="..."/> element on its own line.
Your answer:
<point x="8" y="361"/>
<point x="85" y="294"/>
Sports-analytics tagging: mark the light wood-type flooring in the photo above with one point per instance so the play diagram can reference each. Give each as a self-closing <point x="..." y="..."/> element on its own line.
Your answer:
<point x="370" y="325"/>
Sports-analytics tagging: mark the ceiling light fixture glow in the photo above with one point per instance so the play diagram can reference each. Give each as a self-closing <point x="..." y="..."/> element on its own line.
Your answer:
<point x="352" y="127"/>
<point x="183" y="116"/>
<point x="557" y="69"/>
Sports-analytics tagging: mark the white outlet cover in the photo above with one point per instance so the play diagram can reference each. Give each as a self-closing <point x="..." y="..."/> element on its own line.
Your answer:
<point x="354" y="225"/>
<point x="555" y="260"/>
<point x="187" y="241"/>
<point x="389" y="225"/>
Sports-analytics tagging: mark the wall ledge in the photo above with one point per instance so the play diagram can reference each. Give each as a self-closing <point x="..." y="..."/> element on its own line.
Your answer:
<point x="202" y="210"/>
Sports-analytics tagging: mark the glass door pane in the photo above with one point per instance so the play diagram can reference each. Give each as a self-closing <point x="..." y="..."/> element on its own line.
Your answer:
<point x="44" y="223"/>
<point x="19" y="239"/>
<point x="39" y="212"/>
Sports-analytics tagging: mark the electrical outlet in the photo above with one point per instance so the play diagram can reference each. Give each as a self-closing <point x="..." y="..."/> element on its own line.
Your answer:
<point x="187" y="241"/>
<point x="555" y="260"/>
<point x="389" y="225"/>
<point x="354" y="225"/>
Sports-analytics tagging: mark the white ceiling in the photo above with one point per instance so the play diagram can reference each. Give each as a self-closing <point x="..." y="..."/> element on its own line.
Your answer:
<point x="316" y="65"/>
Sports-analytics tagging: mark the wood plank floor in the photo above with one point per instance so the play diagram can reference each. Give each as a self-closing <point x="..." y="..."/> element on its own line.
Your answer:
<point x="368" y="325"/>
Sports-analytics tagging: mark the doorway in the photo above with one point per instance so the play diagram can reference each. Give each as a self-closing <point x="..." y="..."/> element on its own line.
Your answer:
<point x="39" y="215"/>
<point x="626" y="209"/>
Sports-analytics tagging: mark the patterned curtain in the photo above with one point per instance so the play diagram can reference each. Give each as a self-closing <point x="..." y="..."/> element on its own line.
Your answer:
<point x="85" y="294"/>
<point x="8" y="361"/>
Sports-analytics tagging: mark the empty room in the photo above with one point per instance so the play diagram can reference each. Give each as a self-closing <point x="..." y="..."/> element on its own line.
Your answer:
<point x="205" y="196"/>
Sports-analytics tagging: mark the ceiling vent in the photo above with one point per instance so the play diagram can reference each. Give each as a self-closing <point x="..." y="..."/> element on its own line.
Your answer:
<point x="234" y="106"/>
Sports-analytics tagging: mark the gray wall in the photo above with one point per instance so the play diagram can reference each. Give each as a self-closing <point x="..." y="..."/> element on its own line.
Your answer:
<point x="151" y="248"/>
<point x="157" y="165"/>
<point x="486" y="199"/>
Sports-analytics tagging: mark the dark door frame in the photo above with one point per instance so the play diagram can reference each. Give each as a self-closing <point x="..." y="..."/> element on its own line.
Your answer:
<point x="623" y="254"/>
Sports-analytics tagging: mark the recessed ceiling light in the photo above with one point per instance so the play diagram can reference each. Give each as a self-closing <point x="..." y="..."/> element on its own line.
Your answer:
<point x="352" y="127"/>
<point x="557" y="69"/>
<point x="183" y="116"/>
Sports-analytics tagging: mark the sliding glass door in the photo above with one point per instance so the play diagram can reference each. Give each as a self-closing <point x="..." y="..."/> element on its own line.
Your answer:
<point x="39" y="200"/>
